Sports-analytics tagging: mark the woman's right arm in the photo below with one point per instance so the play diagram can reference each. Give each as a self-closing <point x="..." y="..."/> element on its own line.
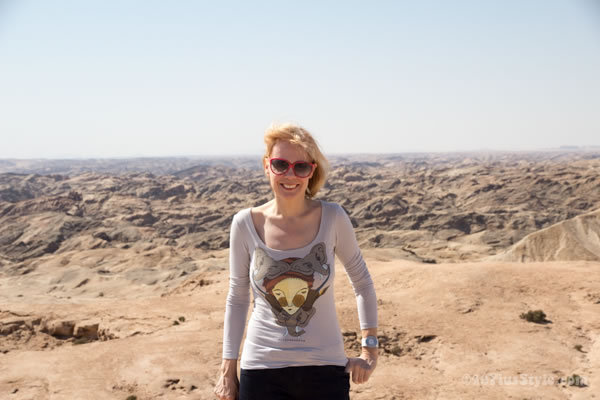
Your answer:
<point x="236" y="309"/>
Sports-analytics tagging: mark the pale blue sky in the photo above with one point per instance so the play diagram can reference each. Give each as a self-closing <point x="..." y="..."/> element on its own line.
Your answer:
<point x="165" y="78"/>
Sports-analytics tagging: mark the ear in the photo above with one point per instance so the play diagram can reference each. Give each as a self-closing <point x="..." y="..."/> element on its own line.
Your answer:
<point x="266" y="165"/>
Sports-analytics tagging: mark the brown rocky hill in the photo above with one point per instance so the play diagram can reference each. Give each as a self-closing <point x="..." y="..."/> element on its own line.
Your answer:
<point x="574" y="239"/>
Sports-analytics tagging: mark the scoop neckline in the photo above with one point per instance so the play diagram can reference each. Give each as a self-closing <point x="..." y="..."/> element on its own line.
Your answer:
<point x="312" y="243"/>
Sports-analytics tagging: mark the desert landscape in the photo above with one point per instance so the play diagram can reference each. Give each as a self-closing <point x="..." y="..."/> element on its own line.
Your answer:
<point x="114" y="273"/>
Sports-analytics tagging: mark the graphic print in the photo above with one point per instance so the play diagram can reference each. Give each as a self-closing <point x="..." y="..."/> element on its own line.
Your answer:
<point x="288" y="285"/>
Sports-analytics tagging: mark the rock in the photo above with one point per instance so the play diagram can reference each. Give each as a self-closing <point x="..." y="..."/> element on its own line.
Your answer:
<point x="59" y="329"/>
<point x="353" y="178"/>
<point x="88" y="331"/>
<point x="6" y="328"/>
<point x="144" y="219"/>
<point x="102" y="235"/>
<point x="127" y="234"/>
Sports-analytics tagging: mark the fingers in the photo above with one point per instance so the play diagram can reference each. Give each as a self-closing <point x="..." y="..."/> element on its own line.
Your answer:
<point x="360" y="375"/>
<point x="359" y="369"/>
<point x="224" y="397"/>
<point x="226" y="388"/>
<point x="349" y="365"/>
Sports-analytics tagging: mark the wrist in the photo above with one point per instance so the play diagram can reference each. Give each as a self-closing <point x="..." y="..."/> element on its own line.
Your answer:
<point x="229" y="367"/>
<point x="371" y="352"/>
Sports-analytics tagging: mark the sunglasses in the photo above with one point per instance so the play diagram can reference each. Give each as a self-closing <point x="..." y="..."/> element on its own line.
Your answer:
<point x="301" y="169"/>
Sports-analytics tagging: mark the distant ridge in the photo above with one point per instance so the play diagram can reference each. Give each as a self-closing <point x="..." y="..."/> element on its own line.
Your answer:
<point x="576" y="239"/>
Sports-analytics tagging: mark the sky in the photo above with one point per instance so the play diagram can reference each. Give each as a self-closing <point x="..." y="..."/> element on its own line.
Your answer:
<point x="125" y="78"/>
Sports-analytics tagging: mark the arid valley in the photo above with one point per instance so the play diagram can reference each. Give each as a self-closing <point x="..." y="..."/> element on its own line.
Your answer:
<point x="114" y="273"/>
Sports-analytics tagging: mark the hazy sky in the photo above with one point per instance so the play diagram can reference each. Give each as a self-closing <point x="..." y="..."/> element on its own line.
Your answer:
<point x="124" y="78"/>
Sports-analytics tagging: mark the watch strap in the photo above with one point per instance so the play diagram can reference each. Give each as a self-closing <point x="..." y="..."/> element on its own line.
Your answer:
<point x="370" y="341"/>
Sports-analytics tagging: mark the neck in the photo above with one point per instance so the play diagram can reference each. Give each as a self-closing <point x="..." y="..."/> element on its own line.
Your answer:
<point x="290" y="207"/>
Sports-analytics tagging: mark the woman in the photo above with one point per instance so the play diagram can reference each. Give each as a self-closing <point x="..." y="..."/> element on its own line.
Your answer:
<point x="284" y="250"/>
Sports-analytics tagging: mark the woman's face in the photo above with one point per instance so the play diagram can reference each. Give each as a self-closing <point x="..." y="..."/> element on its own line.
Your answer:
<point x="287" y="185"/>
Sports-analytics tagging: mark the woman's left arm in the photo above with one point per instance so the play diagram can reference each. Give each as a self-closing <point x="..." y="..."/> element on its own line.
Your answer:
<point x="349" y="253"/>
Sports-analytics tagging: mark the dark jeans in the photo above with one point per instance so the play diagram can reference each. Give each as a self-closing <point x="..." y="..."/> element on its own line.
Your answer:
<point x="329" y="382"/>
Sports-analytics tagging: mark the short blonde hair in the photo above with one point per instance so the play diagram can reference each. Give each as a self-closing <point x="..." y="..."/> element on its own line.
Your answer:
<point x="295" y="134"/>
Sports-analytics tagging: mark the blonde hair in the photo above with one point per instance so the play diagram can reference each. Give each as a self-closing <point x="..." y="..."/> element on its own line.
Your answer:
<point x="295" y="134"/>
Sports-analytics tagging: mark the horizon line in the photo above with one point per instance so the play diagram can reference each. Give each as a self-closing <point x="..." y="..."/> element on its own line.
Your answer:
<point x="565" y="149"/>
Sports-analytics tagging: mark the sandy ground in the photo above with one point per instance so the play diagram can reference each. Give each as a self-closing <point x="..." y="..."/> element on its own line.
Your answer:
<point x="448" y="331"/>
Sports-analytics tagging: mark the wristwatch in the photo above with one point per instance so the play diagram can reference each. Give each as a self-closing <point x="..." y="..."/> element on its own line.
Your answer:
<point x="370" y="341"/>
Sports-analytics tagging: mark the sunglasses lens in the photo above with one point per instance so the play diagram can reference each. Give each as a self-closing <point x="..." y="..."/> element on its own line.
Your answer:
<point x="279" y="166"/>
<point x="302" y="169"/>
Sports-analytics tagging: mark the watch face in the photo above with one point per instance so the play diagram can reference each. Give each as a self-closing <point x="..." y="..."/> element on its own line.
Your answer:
<point x="371" y="341"/>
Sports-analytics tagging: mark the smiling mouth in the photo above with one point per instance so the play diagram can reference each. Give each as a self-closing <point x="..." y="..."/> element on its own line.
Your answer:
<point x="289" y="187"/>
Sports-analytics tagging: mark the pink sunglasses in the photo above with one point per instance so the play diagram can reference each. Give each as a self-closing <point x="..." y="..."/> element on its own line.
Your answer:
<point x="301" y="169"/>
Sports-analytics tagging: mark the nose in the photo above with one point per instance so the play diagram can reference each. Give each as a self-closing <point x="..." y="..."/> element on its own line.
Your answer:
<point x="290" y="172"/>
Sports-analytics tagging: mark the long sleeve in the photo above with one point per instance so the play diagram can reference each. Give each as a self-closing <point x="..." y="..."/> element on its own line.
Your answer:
<point x="238" y="298"/>
<point x="346" y="248"/>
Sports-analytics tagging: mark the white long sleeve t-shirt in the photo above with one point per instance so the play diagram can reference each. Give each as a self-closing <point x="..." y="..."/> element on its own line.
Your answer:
<point x="293" y="322"/>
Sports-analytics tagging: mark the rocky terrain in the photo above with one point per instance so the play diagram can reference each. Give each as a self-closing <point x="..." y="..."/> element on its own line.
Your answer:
<point x="574" y="239"/>
<point x="433" y="209"/>
<point x="114" y="166"/>
<point x="113" y="279"/>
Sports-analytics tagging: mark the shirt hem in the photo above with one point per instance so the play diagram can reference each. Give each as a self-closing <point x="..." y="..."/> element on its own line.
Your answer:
<point x="285" y="365"/>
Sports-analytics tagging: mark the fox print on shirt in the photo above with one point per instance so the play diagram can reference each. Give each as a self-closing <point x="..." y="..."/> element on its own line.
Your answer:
<point x="292" y="285"/>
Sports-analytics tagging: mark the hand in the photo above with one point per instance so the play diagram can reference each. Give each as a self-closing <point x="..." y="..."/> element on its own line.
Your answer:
<point x="362" y="367"/>
<point x="227" y="387"/>
<point x="228" y="383"/>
